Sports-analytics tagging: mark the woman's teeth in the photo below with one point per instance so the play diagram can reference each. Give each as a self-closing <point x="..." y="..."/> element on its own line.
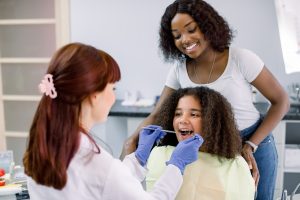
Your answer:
<point x="190" y="47"/>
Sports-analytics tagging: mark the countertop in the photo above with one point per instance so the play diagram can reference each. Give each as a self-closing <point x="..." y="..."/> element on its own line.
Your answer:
<point x="129" y="111"/>
<point x="135" y="111"/>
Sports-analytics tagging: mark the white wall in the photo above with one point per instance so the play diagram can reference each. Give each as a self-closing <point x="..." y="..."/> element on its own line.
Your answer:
<point x="128" y="30"/>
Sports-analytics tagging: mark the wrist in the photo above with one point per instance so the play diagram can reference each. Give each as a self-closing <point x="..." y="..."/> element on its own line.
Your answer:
<point x="138" y="159"/>
<point x="252" y="145"/>
<point x="180" y="167"/>
<point x="179" y="164"/>
<point x="141" y="159"/>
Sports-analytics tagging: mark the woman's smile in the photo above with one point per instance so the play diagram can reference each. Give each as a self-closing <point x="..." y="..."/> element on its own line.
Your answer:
<point x="189" y="49"/>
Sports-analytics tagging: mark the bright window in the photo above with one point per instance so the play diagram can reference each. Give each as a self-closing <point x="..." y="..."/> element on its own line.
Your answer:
<point x="289" y="30"/>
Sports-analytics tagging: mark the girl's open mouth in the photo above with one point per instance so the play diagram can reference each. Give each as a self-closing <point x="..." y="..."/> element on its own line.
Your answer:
<point x="186" y="132"/>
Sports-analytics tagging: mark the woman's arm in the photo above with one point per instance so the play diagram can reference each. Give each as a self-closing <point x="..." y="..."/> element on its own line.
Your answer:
<point x="269" y="87"/>
<point x="130" y="143"/>
<point x="123" y="182"/>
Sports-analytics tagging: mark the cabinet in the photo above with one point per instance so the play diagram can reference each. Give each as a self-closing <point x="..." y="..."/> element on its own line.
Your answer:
<point x="30" y="32"/>
<point x="292" y="156"/>
<point x="114" y="132"/>
<point x="279" y="136"/>
<point x="287" y="136"/>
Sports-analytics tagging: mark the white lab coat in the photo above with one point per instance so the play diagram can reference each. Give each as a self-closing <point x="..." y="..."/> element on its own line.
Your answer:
<point x="101" y="176"/>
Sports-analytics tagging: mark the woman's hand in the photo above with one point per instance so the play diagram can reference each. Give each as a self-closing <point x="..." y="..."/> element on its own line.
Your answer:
<point x="148" y="136"/>
<point x="186" y="152"/>
<point x="248" y="156"/>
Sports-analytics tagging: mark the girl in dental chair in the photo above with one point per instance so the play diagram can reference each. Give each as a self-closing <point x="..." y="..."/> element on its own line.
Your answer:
<point x="220" y="171"/>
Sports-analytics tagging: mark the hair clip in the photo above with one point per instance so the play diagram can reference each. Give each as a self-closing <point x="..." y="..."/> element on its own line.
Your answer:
<point x="47" y="87"/>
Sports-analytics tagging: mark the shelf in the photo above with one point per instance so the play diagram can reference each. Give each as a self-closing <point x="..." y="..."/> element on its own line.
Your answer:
<point x="30" y="32"/>
<point x="16" y="134"/>
<point x="29" y="9"/>
<point x="24" y="60"/>
<point x="27" y="21"/>
<point x="292" y="169"/>
<point x="30" y="41"/>
<point x="292" y="153"/>
<point x="21" y="98"/>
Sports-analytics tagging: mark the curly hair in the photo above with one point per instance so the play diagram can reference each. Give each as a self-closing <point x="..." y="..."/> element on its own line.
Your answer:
<point x="220" y="133"/>
<point x="212" y="25"/>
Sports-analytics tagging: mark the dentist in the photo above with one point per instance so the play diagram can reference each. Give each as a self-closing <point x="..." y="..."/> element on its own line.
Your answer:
<point x="64" y="162"/>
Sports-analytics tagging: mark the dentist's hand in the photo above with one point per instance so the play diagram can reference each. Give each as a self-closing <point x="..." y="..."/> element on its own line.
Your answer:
<point x="147" y="137"/>
<point x="186" y="152"/>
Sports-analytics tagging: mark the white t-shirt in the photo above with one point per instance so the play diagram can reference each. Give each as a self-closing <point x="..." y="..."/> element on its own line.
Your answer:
<point x="101" y="176"/>
<point x="234" y="84"/>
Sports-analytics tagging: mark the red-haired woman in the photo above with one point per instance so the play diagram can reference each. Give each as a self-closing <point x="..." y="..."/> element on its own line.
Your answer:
<point x="63" y="161"/>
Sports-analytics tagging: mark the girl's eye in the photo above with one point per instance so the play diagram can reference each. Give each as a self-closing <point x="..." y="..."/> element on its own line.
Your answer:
<point x="177" y="114"/>
<point x="195" y="114"/>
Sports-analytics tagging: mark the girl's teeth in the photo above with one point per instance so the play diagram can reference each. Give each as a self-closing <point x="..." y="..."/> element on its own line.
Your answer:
<point x="186" y="132"/>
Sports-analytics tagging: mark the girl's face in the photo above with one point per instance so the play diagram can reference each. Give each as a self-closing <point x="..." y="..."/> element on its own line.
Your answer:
<point x="187" y="118"/>
<point x="187" y="35"/>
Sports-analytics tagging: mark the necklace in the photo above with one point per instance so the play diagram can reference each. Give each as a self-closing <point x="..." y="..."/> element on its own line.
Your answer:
<point x="211" y="69"/>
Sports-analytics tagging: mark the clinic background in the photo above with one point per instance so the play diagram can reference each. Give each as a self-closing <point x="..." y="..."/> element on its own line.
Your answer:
<point x="128" y="30"/>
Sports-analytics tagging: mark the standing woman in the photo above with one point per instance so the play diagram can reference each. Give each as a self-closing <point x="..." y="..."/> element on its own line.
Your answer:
<point x="63" y="161"/>
<point x="194" y="34"/>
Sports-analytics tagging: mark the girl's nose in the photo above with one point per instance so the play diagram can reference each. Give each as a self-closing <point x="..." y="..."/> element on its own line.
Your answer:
<point x="183" y="120"/>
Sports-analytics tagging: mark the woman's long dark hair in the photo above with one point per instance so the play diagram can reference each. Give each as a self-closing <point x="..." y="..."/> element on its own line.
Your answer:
<point x="221" y="136"/>
<point x="78" y="70"/>
<point x="212" y="25"/>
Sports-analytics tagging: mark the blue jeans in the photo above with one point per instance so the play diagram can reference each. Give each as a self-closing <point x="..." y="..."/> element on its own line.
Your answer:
<point x="267" y="160"/>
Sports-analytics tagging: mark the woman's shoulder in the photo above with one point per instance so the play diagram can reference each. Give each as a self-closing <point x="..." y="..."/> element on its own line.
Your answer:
<point x="238" y="52"/>
<point x="177" y="68"/>
<point x="249" y="63"/>
<point x="92" y="153"/>
<point x="180" y="66"/>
